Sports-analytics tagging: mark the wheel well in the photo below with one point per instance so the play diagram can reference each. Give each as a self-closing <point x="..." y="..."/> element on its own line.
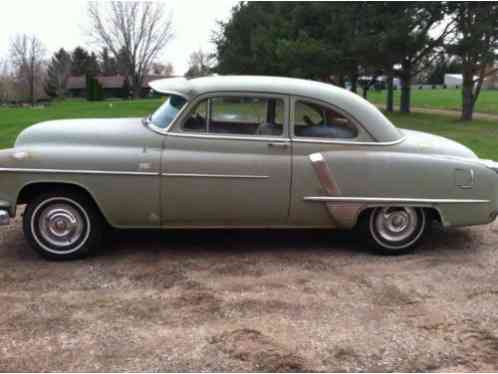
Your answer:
<point x="31" y="191"/>
<point x="432" y="214"/>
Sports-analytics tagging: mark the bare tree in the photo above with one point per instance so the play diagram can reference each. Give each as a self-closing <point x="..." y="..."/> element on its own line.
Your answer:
<point x="165" y="70"/>
<point x="6" y="82"/>
<point x="27" y="53"/>
<point x="137" y="31"/>
<point x="200" y="64"/>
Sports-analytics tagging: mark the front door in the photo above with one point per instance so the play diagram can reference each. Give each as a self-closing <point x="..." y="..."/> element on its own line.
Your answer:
<point x="227" y="162"/>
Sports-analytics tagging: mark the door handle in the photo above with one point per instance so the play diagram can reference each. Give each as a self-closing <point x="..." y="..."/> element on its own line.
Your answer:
<point x="282" y="145"/>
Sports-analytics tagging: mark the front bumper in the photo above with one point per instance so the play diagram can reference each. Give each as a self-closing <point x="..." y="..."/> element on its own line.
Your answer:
<point x="4" y="218"/>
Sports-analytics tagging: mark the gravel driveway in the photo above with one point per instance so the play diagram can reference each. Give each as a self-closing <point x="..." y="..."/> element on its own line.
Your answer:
<point x="252" y="301"/>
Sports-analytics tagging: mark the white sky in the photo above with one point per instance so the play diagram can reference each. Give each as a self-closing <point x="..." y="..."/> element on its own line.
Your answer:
<point x="62" y="23"/>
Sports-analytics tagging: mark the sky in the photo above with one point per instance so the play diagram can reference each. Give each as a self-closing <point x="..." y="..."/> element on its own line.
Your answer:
<point x="63" y="23"/>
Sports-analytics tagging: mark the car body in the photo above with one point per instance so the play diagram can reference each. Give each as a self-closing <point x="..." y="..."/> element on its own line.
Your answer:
<point x="242" y="152"/>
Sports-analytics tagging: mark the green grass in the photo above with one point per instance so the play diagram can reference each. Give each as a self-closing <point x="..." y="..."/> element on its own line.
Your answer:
<point x="14" y="120"/>
<point x="479" y="135"/>
<point x="441" y="99"/>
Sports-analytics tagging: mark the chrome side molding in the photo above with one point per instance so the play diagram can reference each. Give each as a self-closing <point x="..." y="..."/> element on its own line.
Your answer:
<point x="196" y="175"/>
<point x="392" y="200"/>
<point x="62" y="171"/>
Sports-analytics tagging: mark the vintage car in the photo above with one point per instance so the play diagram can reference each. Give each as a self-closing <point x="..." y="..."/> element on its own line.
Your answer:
<point x="241" y="152"/>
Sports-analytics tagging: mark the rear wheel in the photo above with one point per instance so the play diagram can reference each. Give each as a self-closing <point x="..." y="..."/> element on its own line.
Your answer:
<point x="63" y="226"/>
<point x="396" y="230"/>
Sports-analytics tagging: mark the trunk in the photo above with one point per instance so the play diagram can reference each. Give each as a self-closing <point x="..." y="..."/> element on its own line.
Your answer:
<point x="341" y="80"/>
<point x="404" y="105"/>
<point x="32" y="91"/>
<point x="365" y="92"/>
<point x="467" y="95"/>
<point x="354" y="83"/>
<point x="390" y="92"/>
<point x="136" y="87"/>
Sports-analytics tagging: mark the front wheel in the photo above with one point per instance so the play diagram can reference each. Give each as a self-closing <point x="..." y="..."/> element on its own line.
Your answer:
<point x="396" y="230"/>
<point x="63" y="226"/>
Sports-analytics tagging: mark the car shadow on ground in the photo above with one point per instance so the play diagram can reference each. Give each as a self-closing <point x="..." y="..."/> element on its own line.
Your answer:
<point x="266" y="241"/>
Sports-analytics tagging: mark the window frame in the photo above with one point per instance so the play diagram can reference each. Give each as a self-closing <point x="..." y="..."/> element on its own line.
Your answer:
<point x="362" y="136"/>
<point x="177" y="128"/>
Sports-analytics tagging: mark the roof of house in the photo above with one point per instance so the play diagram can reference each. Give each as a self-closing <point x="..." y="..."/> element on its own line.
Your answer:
<point x="366" y="113"/>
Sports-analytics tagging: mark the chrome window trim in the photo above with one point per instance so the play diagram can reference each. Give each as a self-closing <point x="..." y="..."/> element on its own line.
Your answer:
<point x="346" y="142"/>
<point x="62" y="171"/>
<point x="200" y="175"/>
<point x="358" y="125"/>
<point x="394" y="200"/>
<point x="209" y="95"/>
<point x="163" y="131"/>
<point x="229" y="137"/>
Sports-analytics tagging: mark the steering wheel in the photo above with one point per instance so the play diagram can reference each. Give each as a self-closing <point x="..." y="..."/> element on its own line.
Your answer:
<point x="307" y="120"/>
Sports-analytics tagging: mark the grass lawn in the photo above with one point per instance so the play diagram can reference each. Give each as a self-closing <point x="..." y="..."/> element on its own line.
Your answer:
<point x="441" y="99"/>
<point x="481" y="136"/>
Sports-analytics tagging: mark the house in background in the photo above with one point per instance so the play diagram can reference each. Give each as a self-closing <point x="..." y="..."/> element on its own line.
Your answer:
<point x="115" y="86"/>
<point x="456" y="80"/>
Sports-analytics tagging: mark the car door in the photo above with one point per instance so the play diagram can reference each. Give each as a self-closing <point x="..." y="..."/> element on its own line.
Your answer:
<point x="227" y="162"/>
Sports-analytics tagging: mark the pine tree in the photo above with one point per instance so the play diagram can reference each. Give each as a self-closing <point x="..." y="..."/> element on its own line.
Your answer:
<point x="58" y="72"/>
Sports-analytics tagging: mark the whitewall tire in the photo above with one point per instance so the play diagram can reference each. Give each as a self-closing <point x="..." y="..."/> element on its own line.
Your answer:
<point x="63" y="226"/>
<point x="396" y="230"/>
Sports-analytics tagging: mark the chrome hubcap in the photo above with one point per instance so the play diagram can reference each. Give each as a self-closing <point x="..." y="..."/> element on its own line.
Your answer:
<point x="396" y="224"/>
<point x="61" y="225"/>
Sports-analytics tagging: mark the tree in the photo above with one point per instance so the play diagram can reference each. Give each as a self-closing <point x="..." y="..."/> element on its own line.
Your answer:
<point x="80" y="58"/>
<point x="475" y="47"/>
<point x="94" y="90"/>
<point x="418" y="30"/>
<point x="165" y="70"/>
<point x="27" y="53"/>
<point x="6" y="82"/>
<point x="58" y="73"/>
<point x="137" y="31"/>
<point x="200" y="64"/>
<point x="93" y="67"/>
<point x="108" y="65"/>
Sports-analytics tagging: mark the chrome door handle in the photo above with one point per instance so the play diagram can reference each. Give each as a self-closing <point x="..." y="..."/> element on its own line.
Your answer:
<point x="282" y="145"/>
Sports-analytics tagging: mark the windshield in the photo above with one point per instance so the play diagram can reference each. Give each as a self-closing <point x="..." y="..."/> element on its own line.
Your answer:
<point x="167" y="112"/>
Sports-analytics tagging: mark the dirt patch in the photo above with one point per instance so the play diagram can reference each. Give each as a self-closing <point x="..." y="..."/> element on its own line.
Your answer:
<point x="259" y="352"/>
<point x="260" y="300"/>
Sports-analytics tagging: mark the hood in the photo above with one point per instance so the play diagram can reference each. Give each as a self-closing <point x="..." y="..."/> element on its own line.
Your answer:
<point x="78" y="132"/>
<point x="421" y="142"/>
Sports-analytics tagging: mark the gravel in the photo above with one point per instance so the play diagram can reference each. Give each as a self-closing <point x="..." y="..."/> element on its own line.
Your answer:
<point x="251" y="301"/>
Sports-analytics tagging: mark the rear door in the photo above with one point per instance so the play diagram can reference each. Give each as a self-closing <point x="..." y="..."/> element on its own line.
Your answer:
<point x="227" y="162"/>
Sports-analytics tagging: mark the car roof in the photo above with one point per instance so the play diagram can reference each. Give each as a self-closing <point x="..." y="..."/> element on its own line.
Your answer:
<point x="367" y="114"/>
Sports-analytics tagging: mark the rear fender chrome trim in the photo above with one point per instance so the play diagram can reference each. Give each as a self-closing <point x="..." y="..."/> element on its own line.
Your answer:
<point x="392" y="200"/>
<point x="346" y="142"/>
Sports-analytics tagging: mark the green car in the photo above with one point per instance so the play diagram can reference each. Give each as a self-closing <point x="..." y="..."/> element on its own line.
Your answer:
<point x="242" y="152"/>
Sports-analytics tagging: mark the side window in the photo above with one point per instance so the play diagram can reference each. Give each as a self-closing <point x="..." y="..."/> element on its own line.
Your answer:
<point x="238" y="116"/>
<point x="316" y="121"/>
<point x="197" y="121"/>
